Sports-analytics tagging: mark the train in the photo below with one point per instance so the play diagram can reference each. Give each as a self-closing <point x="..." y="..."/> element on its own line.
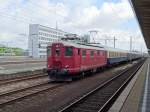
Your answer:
<point x="66" y="60"/>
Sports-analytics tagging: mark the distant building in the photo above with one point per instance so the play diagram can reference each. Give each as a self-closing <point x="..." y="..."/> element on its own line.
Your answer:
<point x="40" y="36"/>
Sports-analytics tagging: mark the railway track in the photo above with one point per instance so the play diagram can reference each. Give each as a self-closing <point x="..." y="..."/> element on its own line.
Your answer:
<point x="20" y="94"/>
<point x="101" y="98"/>
<point x="22" y="78"/>
<point x="20" y="62"/>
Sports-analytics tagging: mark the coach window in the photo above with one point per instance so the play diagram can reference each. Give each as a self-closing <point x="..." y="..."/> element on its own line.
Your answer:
<point x="109" y="54"/>
<point x="68" y="51"/>
<point x="57" y="52"/>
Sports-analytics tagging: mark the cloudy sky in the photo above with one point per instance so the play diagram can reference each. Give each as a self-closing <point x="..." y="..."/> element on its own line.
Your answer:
<point x="109" y="17"/>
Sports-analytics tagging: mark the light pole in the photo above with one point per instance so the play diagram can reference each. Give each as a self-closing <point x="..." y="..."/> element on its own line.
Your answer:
<point x="130" y="43"/>
<point x="130" y="47"/>
<point x="115" y="41"/>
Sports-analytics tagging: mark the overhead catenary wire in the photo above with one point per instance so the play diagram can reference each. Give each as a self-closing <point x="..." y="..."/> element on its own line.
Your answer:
<point x="121" y="19"/>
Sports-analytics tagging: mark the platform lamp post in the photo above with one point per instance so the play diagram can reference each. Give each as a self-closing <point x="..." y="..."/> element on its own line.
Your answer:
<point x="130" y="43"/>
<point x="130" y="47"/>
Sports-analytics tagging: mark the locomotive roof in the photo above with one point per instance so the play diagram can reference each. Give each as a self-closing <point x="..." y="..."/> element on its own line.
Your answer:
<point x="86" y="46"/>
<point x="96" y="47"/>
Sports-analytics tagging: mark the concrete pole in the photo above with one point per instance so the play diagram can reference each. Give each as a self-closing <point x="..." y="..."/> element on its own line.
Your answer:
<point x="131" y="43"/>
<point x="115" y="41"/>
<point x="130" y="47"/>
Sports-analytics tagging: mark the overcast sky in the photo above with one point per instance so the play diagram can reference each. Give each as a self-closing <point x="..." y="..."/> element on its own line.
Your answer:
<point x="110" y="17"/>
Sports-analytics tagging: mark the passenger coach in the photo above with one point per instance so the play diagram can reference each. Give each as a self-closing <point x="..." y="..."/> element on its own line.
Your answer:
<point x="115" y="56"/>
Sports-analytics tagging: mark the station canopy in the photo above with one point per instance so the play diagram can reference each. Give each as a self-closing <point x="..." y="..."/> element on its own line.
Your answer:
<point x="142" y="11"/>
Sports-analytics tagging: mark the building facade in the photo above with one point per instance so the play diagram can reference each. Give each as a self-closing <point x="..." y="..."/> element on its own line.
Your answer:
<point x="39" y="37"/>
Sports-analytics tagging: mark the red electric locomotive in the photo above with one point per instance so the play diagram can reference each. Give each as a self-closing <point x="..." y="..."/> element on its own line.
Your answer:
<point x="68" y="60"/>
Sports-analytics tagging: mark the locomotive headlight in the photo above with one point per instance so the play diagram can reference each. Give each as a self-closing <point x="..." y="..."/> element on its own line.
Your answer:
<point x="67" y="66"/>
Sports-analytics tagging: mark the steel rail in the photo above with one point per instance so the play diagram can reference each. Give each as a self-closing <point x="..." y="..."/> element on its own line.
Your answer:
<point x="22" y="78"/>
<point x="28" y="92"/>
<point x="19" y="62"/>
<point x="112" y="99"/>
<point x="3" y="94"/>
<point x="73" y="105"/>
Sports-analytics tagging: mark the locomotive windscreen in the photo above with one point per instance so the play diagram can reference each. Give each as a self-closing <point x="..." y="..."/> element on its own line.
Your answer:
<point x="68" y="51"/>
<point x="57" y="52"/>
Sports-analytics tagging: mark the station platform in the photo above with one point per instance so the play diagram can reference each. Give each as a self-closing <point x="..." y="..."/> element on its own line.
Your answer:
<point x="20" y="64"/>
<point x="136" y="96"/>
<point x="9" y="59"/>
<point x="15" y="68"/>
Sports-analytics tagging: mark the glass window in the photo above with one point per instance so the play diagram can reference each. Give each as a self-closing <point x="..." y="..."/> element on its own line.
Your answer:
<point x="57" y="52"/>
<point x="48" y="51"/>
<point x="78" y="51"/>
<point x="84" y="53"/>
<point x="68" y="51"/>
<point x="92" y="53"/>
<point x="98" y="52"/>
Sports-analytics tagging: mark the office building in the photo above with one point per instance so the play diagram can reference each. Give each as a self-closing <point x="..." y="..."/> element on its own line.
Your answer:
<point x="39" y="37"/>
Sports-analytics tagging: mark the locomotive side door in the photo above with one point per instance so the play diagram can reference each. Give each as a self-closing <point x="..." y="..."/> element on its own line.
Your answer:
<point x="78" y="58"/>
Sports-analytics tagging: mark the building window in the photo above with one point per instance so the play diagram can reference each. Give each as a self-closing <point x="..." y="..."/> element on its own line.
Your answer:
<point x="68" y="51"/>
<point x="42" y="51"/>
<point x="48" y="51"/>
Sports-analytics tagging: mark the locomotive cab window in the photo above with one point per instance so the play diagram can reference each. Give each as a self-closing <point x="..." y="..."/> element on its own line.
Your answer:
<point x="57" y="52"/>
<point x="84" y="53"/>
<point x="68" y="51"/>
<point x="92" y="53"/>
<point x="78" y="51"/>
